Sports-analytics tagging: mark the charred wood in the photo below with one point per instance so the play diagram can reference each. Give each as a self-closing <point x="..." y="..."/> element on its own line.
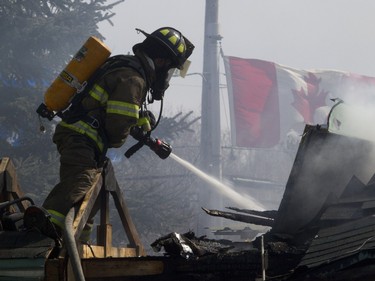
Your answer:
<point x="239" y="217"/>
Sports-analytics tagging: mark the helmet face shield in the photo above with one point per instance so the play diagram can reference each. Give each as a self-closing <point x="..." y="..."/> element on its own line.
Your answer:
<point x="170" y="75"/>
<point x="185" y="68"/>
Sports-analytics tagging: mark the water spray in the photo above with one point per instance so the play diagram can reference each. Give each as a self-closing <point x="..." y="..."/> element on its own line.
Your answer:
<point x="243" y="200"/>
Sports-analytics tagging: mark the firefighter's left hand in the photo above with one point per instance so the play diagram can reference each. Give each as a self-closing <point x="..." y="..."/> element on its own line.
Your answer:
<point x="151" y="118"/>
<point x="137" y="133"/>
<point x="146" y="120"/>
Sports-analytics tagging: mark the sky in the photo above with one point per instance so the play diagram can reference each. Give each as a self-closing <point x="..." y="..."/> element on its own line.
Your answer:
<point x="303" y="34"/>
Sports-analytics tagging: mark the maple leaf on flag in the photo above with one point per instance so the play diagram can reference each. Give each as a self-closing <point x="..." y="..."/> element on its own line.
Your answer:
<point x="307" y="103"/>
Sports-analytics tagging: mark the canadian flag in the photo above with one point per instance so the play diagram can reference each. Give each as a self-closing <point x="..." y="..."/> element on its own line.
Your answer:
<point x="269" y="101"/>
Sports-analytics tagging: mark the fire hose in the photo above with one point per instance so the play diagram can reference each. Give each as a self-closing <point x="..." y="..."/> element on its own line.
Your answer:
<point x="160" y="147"/>
<point x="71" y="246"/>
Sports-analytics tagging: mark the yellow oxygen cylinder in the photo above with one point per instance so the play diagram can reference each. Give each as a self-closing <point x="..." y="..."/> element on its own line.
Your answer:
<point x="76" y="73"/>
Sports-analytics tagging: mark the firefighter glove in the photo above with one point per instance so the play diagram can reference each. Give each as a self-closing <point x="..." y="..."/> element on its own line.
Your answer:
<point x="137" y="133"/>
<point x="146" y="120"/>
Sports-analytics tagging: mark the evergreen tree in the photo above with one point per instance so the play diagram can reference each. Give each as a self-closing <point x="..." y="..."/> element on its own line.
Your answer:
<point x="38" y="38"/>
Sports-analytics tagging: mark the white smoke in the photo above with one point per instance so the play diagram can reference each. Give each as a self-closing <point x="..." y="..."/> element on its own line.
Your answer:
<point x="355" y="115"/>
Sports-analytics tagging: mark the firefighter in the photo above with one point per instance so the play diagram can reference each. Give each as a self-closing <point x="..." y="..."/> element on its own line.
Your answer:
<point x="112" y="109"/>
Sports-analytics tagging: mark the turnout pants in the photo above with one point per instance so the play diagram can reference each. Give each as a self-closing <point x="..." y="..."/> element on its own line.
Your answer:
<point x="78" y="170"/>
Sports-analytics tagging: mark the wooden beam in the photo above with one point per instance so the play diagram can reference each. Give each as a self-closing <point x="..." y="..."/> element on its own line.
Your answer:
<point x="240" y="217"/>
<point x="93" y="251"/>
<point x="104" y="230"/>
<point x="54" y="270"/>
<point x="86" y="207"/>
<point x="118" y="198"/>
<point x="104" y="185"/>
<point x="120" y="267"/>
<point x="127" y="222"/>
<point x="105" y="238"/>
<point x="3" y="187"/>
<point x="9" y="187"/>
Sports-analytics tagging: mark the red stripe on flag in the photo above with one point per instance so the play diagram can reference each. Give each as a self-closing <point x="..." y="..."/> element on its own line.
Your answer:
<point x="255" y="102"/>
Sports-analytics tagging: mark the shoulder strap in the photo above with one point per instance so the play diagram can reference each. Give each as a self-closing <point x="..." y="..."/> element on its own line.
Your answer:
<point x="110" y="64"/>
<point x="123" y="61"/>
<point x="113" y="63"/>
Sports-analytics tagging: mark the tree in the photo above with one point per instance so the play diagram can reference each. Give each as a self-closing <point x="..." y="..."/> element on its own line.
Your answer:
<point x="39" y="36"/>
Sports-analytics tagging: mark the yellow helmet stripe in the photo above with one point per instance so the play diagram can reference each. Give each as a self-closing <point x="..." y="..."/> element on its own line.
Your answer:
<point x="164" y="31"/>
<point x="173" y="39"/>
<point x="181" y="48"/>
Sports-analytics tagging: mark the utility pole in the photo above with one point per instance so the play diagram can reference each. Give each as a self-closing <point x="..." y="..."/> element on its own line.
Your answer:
<point x="210" y="147"/>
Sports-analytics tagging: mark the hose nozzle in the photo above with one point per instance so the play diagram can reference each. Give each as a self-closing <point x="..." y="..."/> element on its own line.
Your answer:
<point x="160" y="147"/>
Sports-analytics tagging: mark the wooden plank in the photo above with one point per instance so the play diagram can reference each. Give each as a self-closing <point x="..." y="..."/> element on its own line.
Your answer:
<point x="104" y="207"/>
<point x="105" y="240"/>
<point x="11" y="178"/>
<point x="12" y="185"/>
<point x="54" y="270"/>
<point x="104" y="230"/>
<point x="9" y="187"/>
<point x="127" y="222"/>
<point x="111" y="185"/>
<point x="3" y="165"/>
<point x="86" y="207"/>
<point x="110" y="178"/>
<point x="119" y="267"/>
<point x="94" y="251"/>
<point x="124" y="252"/>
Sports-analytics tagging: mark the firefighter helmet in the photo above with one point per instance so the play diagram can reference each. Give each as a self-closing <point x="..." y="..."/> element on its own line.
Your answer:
<point x="178" y="47"/>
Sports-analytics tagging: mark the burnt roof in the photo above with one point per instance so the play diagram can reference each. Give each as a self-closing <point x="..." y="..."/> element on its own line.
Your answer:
<point x="338" y="242"/>
<point x="324" y="165"/>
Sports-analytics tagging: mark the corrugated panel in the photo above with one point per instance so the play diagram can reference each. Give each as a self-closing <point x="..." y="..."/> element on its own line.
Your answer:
<point x="28" y="244"/>
<point x="22" y="269"/>
<point x="354" y="187"/>
<point x="342" y="212"/>
<point x="371" y="182"/>
<point x="23" y="255"/>
<point x="368" y="205"/>
<point x="363" y="197"/>
<point x="335" y="243"/>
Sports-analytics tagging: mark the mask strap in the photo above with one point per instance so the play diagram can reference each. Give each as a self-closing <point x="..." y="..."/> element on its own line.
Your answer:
<point x="159" y="117"/>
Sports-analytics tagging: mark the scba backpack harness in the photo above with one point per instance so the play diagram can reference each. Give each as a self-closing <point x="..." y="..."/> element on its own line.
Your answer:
<point x="64" y="97"/>
<point x="74" y="110"/>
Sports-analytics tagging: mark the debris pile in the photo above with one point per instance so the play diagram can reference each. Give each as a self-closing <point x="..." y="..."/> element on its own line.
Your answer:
<point x="324" y="228"/>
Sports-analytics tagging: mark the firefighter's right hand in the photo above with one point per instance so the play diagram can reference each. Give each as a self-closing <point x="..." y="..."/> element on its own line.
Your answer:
<point x="137" y="133"/>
